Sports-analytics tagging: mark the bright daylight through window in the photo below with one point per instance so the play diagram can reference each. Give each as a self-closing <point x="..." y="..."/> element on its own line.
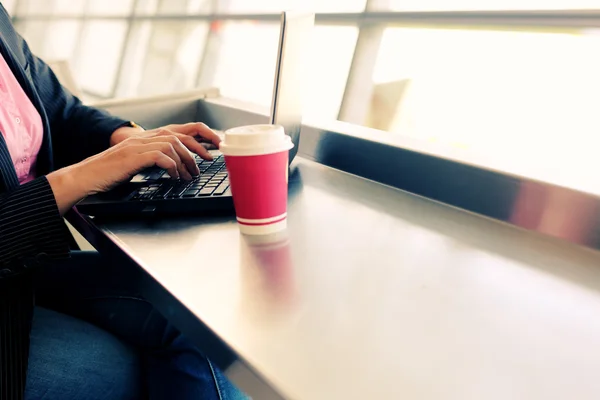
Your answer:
<point x="521" y="89"/>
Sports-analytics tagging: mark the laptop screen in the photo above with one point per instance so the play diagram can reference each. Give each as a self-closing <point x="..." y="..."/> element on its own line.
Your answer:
<point x="286" y="107"/>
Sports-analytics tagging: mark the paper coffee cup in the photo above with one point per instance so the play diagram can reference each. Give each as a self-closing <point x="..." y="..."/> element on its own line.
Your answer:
<point x="256" y="157"/>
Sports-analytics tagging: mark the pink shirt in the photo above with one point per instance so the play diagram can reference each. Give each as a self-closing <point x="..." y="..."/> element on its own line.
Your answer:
<point x="20" y="124"/>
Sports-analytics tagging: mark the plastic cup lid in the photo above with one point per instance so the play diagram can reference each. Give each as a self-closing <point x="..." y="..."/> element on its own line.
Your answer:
<point x="255" y="140"/>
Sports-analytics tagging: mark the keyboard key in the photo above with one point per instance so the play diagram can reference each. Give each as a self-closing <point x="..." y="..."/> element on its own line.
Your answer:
<point x="139" y="178"/>
<point x="206" y="191"/>
<point x="178" y="191"/>
<point x="190" y="193"/>
<point x="155" y="175"/>
<point x="221" y="189"/>
<point x="162" y="192"/>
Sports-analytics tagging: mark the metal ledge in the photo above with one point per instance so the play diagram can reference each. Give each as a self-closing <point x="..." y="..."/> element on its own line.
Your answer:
<point x="418" y="167"/>
<point x="521" y="201"/>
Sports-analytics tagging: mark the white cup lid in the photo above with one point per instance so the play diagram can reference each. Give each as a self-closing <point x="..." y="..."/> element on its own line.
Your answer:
<point x="255" y="140"/>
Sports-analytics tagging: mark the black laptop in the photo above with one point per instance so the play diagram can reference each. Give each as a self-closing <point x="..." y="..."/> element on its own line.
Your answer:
<point x="153" y="192"/>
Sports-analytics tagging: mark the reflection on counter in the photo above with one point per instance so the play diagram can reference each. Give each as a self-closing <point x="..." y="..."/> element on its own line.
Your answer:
<point x="269" y="285"/>
<point x="557" y="212"/>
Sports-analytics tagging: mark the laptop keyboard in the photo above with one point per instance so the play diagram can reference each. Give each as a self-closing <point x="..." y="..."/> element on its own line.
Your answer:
<point x="212" y="181"/>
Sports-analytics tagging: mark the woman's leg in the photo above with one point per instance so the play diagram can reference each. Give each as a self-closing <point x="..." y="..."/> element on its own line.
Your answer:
<point x="91" y="288"/>
<point x="71" y="359"/>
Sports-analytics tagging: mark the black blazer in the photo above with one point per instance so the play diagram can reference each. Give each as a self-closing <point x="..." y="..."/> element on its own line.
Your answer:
<point x="31" y="229"/>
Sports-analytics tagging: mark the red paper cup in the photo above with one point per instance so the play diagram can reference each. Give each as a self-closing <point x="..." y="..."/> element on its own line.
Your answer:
<point x="256" y="157"/>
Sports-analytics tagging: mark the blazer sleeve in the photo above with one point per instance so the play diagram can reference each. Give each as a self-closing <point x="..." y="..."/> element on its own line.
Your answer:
<point x="31" y="228"/>
<point x="78" y="131"/>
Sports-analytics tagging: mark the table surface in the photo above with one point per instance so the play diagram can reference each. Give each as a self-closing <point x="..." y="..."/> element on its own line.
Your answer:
<point x="379" y="294"/>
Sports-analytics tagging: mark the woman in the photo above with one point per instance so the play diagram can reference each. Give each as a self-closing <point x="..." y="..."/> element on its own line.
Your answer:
<point x="92" y="336"/>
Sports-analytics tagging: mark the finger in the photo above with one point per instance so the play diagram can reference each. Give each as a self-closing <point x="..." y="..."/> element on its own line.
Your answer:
<point x="194" y="146"/>
<point x="160" y="159"/>
<point x="167" y="149"/>
<point x="186" y="158"/>
<point x="196" y="129"/>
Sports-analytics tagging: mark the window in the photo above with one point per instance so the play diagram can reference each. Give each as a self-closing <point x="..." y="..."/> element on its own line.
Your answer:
<point x="275" y="6"/>
<point x="328" y="66"/>
<point x="49" y="7"/>
<point x="436" y="5"/>
<point x="246" y="72"/>
<point x="244" y="55"/>
<point x="100" y="50"/>
<point x="9" y="5"/>
<point x="524" y="97"/>
<point x="109" y="7"/>
<point x="173" y="7"/>
<point x="172" y="51"/>
<point x="51" y="40"/>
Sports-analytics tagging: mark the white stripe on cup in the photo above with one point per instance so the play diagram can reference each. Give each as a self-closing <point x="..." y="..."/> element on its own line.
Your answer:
<point x="262" y="221"/>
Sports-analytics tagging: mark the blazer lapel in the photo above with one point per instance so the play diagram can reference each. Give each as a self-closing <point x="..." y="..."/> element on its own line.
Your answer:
<point x="7" y="169"/>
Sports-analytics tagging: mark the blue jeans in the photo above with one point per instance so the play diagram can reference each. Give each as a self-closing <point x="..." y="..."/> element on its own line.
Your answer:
<point x="94" y="338"/>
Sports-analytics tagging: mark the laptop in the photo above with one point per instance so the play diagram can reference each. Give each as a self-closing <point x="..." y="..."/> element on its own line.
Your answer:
<point x="153" y="192"/>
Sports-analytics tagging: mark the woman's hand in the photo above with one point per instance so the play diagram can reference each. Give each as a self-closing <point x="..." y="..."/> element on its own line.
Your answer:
<point x="104" y="171"/>
<point x="190" y="135"/>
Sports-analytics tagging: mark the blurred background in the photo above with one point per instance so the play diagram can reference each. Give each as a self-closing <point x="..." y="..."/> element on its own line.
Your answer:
<point x="513" y="81"/>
